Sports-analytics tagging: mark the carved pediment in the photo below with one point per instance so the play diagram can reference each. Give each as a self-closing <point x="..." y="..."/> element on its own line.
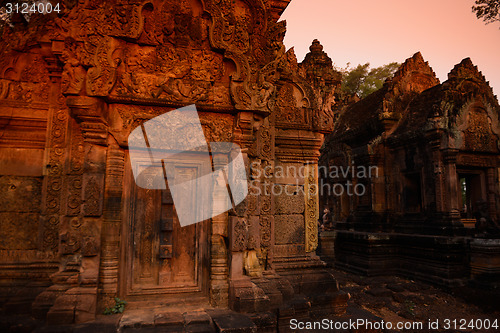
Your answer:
<point x="478" y="131"/>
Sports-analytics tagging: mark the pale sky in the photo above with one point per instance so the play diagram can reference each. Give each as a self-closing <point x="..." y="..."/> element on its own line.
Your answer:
<point x="383" y="31"/>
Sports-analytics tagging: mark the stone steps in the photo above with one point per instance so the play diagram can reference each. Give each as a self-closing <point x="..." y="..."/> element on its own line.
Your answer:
<point x="202" y="321"/>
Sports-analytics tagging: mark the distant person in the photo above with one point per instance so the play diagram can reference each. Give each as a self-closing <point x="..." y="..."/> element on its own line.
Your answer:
<point x="327" y="219"/>
<point x="321" y="228"/>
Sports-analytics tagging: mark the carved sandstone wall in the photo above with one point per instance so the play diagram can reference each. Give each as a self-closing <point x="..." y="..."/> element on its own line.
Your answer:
<point x="74" y="85"/>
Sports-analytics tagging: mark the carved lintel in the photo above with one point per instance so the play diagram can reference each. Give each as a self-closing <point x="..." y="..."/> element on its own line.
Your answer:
<point x="297" y="146"/>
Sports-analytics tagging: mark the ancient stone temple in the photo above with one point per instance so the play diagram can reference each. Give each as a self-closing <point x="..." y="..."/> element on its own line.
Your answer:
<point x="428" y="206"/>
<point x="76" y="231"/>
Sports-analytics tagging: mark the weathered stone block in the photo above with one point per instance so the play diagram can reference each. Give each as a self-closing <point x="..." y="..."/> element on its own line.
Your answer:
<point x="197" y="317"/>
<point x="290" y="199"/>
<point x="169" y="319"/>
<point x="289" y="173"/>
<point x="20" y="194"/>
<point x="485" y="261"/>
<point x="137" y="319"/>
<point x="231" y="322"/>
<point x="289" y="229"/>
<point x="18" y="231"/>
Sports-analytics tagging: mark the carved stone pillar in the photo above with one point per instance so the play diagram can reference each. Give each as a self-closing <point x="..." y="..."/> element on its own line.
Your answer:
<point x="219" y="266"/>
<point x="311" y="206"/>
<point x="451" y="182"/>
<point x="435" y="144"/>
<point x="493" y="192"/>
<point x="82" y="224"/>
<point x="111" y="226"/>
<point x="53" y="194"/>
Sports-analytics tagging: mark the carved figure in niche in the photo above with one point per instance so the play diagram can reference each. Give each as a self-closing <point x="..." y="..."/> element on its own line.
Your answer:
<point x="484" y="223"/>
<point x="228" y="28"/>
<point x="150" y="35"/>
<point x="266" y="90"/>
<point x="73" y="74"/>
<point x="252" y="265"/>
<point x="181" y="14"/>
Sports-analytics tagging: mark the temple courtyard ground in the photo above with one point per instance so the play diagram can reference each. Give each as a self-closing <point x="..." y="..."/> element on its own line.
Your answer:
<point x="374" y="299"/>
<point x="396" y="299"/>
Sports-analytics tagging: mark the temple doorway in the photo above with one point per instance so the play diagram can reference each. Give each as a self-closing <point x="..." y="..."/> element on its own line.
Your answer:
<point x="163" y="262"/>
<point x="472" y="189"/>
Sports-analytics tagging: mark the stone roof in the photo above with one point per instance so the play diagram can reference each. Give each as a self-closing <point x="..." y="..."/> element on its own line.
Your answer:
<point x="364" y="119"/>
<point x="465" y="85"/>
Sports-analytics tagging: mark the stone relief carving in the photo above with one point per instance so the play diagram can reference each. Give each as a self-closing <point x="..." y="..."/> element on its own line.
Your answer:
<point x="24" y="78"/>
<point x="73" y="75"/>
<point x="54" y="180"/>
<point x="311" y="207"/>
<point x="93" y="195"/>
<point x="120" y="64"/>
<point x="239" y="234"/>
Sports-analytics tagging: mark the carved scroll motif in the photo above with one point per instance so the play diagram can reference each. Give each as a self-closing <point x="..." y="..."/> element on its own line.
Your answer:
<point x="54" y="181"/>
<point x="312" y="207"/>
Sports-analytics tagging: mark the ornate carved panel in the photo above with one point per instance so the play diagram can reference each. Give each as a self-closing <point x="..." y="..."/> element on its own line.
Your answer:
<point x="239" y="233"/>
<point x="54" y="179"/>
<point x="311" y="207"/>
<point x="291" y="106"/>
<point x="478" y="135"/>
<point x="93" y="194"/>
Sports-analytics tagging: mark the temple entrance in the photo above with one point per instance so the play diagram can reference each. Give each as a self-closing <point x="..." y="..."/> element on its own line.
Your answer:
<point x="161" y="258"/>
<point x="472" y="189"/>
<point x="412" y="193"/>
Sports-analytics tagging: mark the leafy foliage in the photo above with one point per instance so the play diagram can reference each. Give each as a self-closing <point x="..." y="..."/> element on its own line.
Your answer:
<point x="118" y="308"/>
<point x="362" y="81"/>
<point x="488" y="10"/>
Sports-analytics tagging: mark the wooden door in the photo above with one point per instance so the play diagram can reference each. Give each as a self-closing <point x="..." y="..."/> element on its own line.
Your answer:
<point x="160" y="256"/>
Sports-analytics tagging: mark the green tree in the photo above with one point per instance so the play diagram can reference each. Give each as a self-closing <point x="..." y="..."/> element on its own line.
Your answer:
<point x="362" y="81"/>
<point x="487" y="10"/>
<point x="353" y="79"/>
